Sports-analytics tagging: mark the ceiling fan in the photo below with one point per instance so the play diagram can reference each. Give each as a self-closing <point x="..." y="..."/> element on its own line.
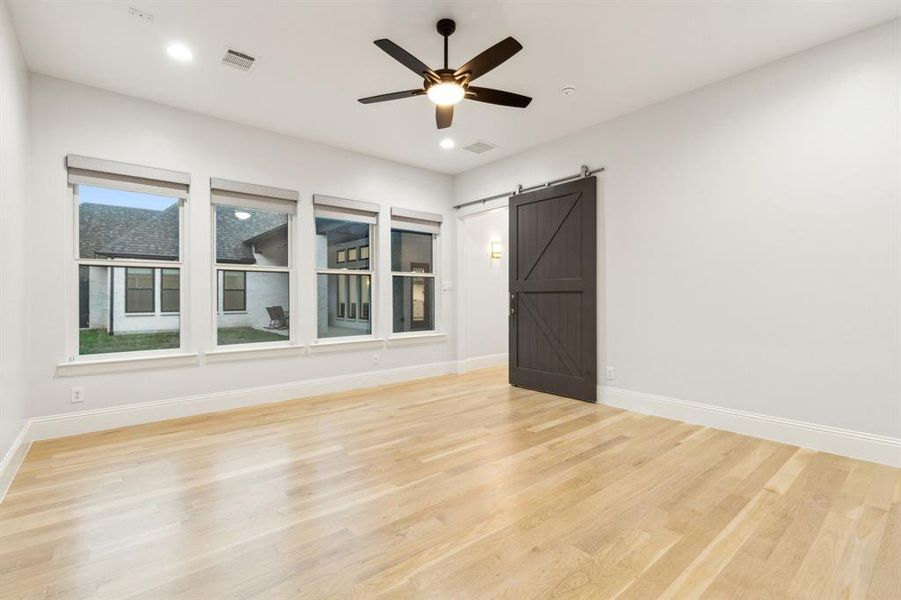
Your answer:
<point x="447" y="87"/>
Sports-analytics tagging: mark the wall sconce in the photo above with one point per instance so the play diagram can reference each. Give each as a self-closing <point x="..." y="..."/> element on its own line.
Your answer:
<point x="497" y="250"/>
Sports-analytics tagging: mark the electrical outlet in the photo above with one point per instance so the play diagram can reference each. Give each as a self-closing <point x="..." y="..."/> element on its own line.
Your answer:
<point x="376" y="359"/>
<point x="77" y="395"/>
<point x="611" y="373"/>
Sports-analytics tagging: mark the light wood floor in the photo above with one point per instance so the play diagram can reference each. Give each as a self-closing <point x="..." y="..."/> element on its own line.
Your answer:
<point x="454" y="487"/>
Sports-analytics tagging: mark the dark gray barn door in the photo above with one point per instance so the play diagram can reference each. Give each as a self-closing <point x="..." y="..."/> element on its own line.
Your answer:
<point x="553" y="274"/>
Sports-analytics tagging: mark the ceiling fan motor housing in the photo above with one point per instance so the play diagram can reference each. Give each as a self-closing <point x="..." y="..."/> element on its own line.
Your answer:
<point x="446" y="27"/>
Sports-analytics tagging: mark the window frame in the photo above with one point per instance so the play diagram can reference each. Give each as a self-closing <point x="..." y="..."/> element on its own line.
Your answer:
<point x="371" y="273"/>
<point x="73" y="331"/>
<point x="237" y="200"/>
<point x="151" y="289"/>
<point x="436" y="290"/>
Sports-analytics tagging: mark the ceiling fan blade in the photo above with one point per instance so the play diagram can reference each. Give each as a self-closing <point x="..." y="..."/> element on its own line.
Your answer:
<point x="501" y="97"/>
<point x="444" y="116"/>
<point x="489" y="59"/>
<point x="391" y="96"/>
<point x="407" y="59"/>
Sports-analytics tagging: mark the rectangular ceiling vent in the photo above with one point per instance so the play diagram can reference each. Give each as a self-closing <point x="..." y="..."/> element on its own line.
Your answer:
<point x="238" y="60"/>
<point x="480" y="147"/>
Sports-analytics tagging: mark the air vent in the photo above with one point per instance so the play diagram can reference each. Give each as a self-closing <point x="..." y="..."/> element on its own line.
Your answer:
<point x="238" y="60"/>
<point x="480" y="147"/>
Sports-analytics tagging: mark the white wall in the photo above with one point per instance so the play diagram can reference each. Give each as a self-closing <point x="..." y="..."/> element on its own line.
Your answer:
<point x="752" y="254"/>
<point x="13" y="242"/>
<point x="483" y="294"/>
<point x="71" y="118"/>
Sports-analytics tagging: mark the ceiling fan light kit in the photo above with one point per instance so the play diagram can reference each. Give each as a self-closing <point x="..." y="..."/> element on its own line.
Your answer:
<point x="447" y="87"/>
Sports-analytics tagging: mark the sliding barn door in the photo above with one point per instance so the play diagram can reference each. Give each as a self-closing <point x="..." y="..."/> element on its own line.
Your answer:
<point x="553" y="320"/>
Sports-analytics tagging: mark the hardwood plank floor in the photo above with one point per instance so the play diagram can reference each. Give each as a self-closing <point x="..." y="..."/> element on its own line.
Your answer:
<point x="452" y="487"/>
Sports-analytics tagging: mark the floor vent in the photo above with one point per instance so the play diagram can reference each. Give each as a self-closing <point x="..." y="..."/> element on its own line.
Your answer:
<point x="238" y="60"/>
<point x="480" y="147"/>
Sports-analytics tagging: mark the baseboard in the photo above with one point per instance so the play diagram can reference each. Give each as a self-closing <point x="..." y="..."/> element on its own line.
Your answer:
<point x="13" y="458"/>
<point x="846" y="442"/>
<point x="482" y="362"/>
<point x="55" y="426"/>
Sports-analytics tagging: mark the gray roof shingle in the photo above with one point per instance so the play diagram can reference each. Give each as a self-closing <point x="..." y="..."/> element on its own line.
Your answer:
<point x="107" y="231"/>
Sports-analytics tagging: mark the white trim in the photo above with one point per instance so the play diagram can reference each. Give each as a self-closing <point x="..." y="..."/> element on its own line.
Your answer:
<point x="482" y="362"/>
<point x="14" y="457"/>
<point x="846" y="442"/>
<point x="252" y="350"/>
<point x="415" y="337"/>
<point x="127" y="363"/>
<point x="61" y="425"/>
<point x="345" y="342"/>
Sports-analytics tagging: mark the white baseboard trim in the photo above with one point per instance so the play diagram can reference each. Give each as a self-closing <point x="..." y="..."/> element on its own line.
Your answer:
<point x="482" y="362"/>
<point x="846" y="442"/>
<point x="13" y="458"/>
<point x="55" y="426"/>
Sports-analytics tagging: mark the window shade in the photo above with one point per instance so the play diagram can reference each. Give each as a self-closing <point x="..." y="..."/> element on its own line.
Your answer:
<point x="224" y="191"/>
<point x="84" y="170"/>
<point x="415" y="220"/>
<point x="330" y="207"/>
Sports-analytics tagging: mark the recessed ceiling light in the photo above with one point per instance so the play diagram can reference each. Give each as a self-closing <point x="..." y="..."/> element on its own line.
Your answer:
<point x="179" y="51"/>
<point x="242" y="214"/>
<point x="447" y="143"/>
<point x="568" y="90"/>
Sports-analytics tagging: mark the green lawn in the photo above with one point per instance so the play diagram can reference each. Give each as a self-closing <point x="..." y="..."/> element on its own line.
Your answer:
<point x="247" y="335"/>
<point x="97" y="341"/>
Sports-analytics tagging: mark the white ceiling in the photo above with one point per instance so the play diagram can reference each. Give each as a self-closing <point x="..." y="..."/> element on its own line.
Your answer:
<point x="317" y="58"/>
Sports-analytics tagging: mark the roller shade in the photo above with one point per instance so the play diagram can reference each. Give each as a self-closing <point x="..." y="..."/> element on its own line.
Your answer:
<point x="84" y="170"/>
<point x="414" y="220"/>
<point x="261" y="197"/>
<point x="330" y="207"/>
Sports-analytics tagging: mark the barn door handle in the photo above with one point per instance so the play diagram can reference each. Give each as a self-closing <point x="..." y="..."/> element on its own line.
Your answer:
<point x="512" y="304"/>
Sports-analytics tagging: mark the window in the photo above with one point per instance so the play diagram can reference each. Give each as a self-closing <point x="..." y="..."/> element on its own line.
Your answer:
<point x="139" y="291"/>
<point x="170" y="291"/>
<point x="128" y="247"/>
<point x="413" y="241"/>
<point x="254" y="272"/>
<point x="344" y="273"/>
<point x="234" y="291"/>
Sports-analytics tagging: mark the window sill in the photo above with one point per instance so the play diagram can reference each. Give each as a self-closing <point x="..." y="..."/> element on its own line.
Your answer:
<point x="110" y="365"/>
<point x="403" y="339"/>
<point x="224" y="353"/>
<point x="140" y="314"/>
<point x="327" y="344"/>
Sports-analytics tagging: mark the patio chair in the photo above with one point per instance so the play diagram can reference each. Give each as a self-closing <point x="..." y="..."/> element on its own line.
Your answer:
<point x="278" y="319"/>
